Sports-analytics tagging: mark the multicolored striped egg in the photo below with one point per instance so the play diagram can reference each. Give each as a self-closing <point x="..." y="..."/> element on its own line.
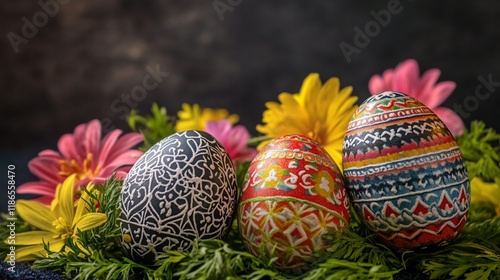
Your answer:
<point x="405" y="174"/>
<point x="293" y="194"/>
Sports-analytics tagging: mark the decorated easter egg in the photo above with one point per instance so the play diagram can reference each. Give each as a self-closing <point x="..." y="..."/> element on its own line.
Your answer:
<point x="404" y="172"/>
<point x="292" y="195"/>
<point x="183" y="188"/>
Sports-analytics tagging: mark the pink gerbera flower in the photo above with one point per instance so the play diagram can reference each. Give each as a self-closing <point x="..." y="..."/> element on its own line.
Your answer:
<point x="85" y="154"/>
<point x="406" y="78"/>
<point x="233" y="138"/>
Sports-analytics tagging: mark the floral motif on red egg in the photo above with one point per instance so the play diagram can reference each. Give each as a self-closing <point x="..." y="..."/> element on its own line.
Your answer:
<point x="293" y="194"/>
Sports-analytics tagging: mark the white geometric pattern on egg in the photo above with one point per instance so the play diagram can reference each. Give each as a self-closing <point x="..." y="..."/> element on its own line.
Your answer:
<point x="183" y="188"/>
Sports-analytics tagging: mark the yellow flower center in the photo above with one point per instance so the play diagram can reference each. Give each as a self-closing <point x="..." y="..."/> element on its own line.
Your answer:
<point x="317" y="134"/>
<point x="64" y="230"/>
<point x="82" y="171"/>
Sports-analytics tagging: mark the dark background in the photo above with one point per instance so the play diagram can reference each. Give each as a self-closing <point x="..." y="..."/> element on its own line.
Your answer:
<point x="90" y="53"/>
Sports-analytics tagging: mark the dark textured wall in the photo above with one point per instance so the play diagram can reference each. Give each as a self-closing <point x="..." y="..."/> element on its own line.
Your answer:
<point x="90" y="54"/>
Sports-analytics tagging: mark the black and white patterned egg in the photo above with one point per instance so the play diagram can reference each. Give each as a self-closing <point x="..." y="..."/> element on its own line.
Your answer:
<point x="183" y="188"/>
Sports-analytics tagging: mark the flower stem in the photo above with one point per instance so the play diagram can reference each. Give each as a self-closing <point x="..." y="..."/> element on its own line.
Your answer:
<point x="254" y="141"/>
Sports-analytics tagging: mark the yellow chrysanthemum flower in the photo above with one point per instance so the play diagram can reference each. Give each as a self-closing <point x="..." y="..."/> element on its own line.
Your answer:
<point x="57" y="222"/>
<point x="321" y="112"/>
<point x="193" y="117"/>
<point x="482" y="191"/>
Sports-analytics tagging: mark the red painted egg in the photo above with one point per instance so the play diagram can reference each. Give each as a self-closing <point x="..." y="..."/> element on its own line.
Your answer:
<point x="293" y="194"/>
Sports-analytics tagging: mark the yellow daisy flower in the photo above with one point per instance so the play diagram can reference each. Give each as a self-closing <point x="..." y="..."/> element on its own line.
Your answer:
<point x="57" y="222"/>
<point x="319" y="111"/>
<point x="482" y="191"/>
<point x="193" y="117"/>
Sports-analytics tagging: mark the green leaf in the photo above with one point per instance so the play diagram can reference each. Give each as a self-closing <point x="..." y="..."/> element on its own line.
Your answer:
<point x="481" y="152"/>
<point x="472" y="255"/>
<point x="153" y="127"/>
<point x="213" y="259"/>
<point x="106" y="196"/>
<point x="241" y="172"/>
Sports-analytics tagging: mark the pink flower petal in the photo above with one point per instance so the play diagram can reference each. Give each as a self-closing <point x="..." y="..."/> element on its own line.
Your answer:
<point x="83" y="182"/>
<point x="439" y="94"/>
<point x="46" y="199"/>
<point x="99" y="180"/>
<point x="406" y="76"/>
<point x="121" y="174"/>
<point x="78" y="136"/>
<point x="92" y="138"/>
<point x="128" y="157"/>
<point x="111" y="154"/>
<point x="126" y="142"/>
<point x="66" y="146"/>
<point x="239" y="137"/>
<point x="107" y="145"/>
<point x="451" y="120"/>
<point x="426" y="84"/>
<point x="245" y="155"/>
<point x="47" y="169"/>
<point x="40" y="188"/>
<point x="234" y="139"/>
<point x="219" y="130"/>
<point x="50" y="154"/>
<point x="388" y="77"/>
<point x="376" y="84"/>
